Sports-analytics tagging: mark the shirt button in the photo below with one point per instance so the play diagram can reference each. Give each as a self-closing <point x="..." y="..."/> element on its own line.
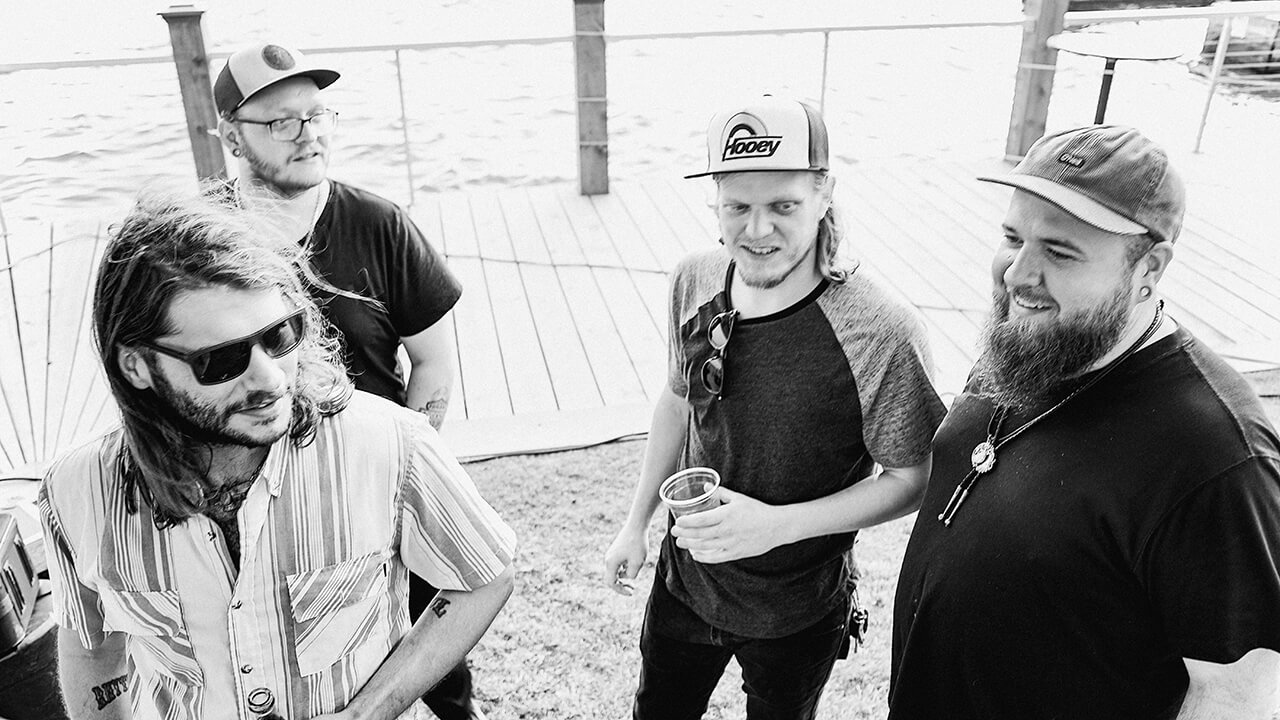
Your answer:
<point x="236" y="605"/>
<point x="246" y="669"/>
<point x="213" y="535"/>
<point x="261" y="701"/>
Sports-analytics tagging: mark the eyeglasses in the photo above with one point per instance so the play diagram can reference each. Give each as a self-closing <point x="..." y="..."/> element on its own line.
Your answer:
<point x="718" y="332"/>
<point x="227" y="361"/>
<point x="290" y="129"/>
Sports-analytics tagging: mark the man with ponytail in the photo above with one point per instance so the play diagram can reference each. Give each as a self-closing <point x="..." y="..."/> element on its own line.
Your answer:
<point x="239" y="546"/>
<point x="793" y="376"/>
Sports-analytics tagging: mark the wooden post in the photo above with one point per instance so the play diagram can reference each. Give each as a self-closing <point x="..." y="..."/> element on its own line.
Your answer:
<point x="1036" y="66"/>
<point x="593" y="129"/>
<point x="187" y="38"/>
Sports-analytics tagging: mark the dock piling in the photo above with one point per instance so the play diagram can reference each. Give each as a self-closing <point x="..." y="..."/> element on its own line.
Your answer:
<point x="192" y="62"/>
<point x="1037" y="64"/>
<point x="589" y="64"/>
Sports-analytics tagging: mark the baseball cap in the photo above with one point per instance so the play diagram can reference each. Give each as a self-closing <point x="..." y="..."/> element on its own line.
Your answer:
<point x="769" y="133"/>
<point x="252" y="69"/>
<point x="1109" y="176"/>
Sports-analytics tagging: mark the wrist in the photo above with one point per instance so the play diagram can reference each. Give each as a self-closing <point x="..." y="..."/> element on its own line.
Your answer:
<point x="786" y="525"/>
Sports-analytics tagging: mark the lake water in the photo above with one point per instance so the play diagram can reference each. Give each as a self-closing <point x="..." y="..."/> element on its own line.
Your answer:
<point x="77" y="144"/>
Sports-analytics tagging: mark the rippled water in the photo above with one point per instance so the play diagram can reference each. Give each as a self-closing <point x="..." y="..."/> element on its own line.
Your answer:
<point x="77" y="144"/>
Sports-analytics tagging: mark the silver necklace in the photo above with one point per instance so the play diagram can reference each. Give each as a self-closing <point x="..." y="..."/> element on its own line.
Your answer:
<point x="983" y="458"/>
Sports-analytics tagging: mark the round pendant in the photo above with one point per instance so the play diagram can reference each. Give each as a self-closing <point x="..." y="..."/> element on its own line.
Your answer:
<point x="983" y="457"/>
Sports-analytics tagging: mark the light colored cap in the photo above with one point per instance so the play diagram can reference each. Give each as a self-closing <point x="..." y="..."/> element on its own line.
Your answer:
<point x="767" y="134"/>
<point x="253" y="69"/>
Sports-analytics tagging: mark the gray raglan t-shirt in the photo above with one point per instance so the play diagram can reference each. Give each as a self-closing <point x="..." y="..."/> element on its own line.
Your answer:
<point x="814" y="396"/>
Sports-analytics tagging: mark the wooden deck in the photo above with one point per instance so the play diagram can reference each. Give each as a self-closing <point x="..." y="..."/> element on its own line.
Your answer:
<point x="561" y="330"/>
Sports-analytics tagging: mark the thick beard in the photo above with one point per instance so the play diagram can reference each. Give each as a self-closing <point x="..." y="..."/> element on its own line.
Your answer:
<point x="1023" y="364"/>
<point x="205" y="422"/>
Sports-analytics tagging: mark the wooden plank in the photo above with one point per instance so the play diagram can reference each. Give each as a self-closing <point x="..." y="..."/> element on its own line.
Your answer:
<point x="528" y="381"/>
<point x="1249" y="284"/>
<point x="486" y="438"/>
<point x="557" y="232"/>
<point x="72" y="361"/>
<point x="933" y="233"/>
<point x="655" y="291"/>
<point x="592" y="235"/>
<point x="951" y="362"/>
<point x="527" y="242"/>
<point x="653" y="227"/>
<point x="425" y="213"/>
<point x="956" y="200"/>
<point x="491" y="227"/>
<point x="26" y="332"/>
<point x="642" y="335"/>
<point x="622" y="231"/>
<point x="457" y="410"/>
<point x="482" y="376"/>
<point x="698" y="197"/>
<point x="610" y="363"/>
<point x="904" y="279"/>
<point x="14" y="437"/>
<point x="456" y="226"/>
<point x="689" y="228"/>
<point x="889" y="230"/>
<point x="572" y="378"/>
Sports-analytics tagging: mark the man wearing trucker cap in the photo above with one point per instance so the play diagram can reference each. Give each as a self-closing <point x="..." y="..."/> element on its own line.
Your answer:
<point x="793" y="376"/>
<point x="1100" y="537"/>
<point x="277" y="125"/>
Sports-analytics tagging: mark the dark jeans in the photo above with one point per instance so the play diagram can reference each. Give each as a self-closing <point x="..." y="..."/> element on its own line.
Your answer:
<point x="451" y="698"/>
<point x="682" y="659"/>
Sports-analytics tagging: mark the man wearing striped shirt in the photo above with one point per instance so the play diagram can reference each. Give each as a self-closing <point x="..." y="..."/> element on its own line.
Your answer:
<point x="240" y="546"/>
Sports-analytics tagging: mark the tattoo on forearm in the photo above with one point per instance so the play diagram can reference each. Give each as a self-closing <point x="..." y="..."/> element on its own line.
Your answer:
<point x="110" y="690"/>
<point x="435" y="410"/>
<point x="440" y="606"/>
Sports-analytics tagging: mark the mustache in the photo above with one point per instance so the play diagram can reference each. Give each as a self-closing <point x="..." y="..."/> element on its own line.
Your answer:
<point x="260" y="398"/>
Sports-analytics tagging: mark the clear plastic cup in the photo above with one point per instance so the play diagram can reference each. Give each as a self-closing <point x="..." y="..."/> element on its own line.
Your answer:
<point x="691" y="490"/>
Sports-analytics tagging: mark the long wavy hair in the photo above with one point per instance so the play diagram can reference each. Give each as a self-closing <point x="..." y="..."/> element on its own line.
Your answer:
<point x="167" y="245"/>
<point x="830" y="234"/>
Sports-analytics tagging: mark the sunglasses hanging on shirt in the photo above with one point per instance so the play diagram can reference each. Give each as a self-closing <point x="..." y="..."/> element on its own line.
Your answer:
<point x="719" y="331"/>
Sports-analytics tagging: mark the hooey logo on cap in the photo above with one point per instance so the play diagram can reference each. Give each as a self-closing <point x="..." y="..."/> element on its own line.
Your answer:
<point x="747" y="137"/>
<point x="277" y="58"/>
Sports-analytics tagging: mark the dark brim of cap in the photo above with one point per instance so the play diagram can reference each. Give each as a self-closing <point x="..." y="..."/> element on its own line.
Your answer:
<point x="1077" y="204"/>
<point x="708" y="173"/>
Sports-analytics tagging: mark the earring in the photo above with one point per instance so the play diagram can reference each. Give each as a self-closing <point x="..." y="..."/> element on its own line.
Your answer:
<point x="1144" y="292"/>
<point x="236" y="152"/>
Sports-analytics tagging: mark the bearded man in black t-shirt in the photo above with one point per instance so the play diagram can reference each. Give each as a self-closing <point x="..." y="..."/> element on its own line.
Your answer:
<point x="1100" y="536"/>
<point x="277" y="125"/>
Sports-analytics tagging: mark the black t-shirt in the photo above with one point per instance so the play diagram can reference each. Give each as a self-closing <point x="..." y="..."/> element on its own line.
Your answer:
<point x="368" y="245"/>
<point x="1137" y="525"/>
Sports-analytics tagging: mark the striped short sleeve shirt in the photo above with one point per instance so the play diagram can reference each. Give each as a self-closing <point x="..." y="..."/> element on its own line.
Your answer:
<point x="328" y="532"/>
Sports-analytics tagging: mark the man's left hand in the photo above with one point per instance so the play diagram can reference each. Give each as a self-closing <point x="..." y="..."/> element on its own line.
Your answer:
<point x="741" y="527"/>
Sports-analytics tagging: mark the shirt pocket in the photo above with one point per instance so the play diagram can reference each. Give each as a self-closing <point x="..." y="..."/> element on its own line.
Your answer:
<point x="338" y="609"/>
<point x="158" y="640"/>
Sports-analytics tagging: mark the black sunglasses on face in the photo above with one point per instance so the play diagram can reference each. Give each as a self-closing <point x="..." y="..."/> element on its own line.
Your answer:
<point x="718" y="332"/>
<point x="227" y="361"/>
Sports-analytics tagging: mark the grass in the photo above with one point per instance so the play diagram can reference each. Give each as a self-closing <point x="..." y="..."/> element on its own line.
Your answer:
<point x="565" y="646"/>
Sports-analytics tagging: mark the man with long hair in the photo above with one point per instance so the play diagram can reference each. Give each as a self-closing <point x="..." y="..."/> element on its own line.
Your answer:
<point x="394" y="289"/>
<point x="793" y="376"/>
<point x="1100" y="537"/>
<point x="238" y="546"/>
